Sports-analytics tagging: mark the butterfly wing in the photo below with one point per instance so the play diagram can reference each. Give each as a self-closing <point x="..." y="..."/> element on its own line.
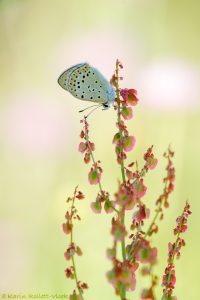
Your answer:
<point x="87" y="83"/>
<point x="65" y="77"/>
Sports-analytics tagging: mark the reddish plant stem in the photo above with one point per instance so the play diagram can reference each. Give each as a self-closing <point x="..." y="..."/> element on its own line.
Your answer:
<point x="154" y="219"/>
<point x="71" y="241"/>
<point x="172" y="263"/>
<point x="93" y="160"/>
<point x="94" y="163"/>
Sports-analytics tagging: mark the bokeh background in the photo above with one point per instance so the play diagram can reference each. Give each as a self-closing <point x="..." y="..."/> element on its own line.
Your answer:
<point x="158" y="43"/>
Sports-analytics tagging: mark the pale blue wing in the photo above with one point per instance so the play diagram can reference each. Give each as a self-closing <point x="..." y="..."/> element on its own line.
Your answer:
<point x="87" y="83"/>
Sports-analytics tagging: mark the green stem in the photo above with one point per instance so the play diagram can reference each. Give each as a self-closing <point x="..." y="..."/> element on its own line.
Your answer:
<point x="122" y="212"/>
<point x="148" y="230"/>
<point x="123" y="293"/>
<point x="73" y="260"/>
<point x="123" y="177"/>
<point x="119" y="120"/>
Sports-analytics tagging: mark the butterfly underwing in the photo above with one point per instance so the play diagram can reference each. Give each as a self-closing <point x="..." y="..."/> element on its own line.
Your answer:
<point x="88" y="84"/>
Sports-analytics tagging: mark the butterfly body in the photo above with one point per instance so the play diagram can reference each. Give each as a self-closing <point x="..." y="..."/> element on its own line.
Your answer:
<point x="88" y="84"/>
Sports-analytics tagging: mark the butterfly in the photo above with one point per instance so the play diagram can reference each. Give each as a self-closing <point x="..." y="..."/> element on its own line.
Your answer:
<point x="86" y="83"/>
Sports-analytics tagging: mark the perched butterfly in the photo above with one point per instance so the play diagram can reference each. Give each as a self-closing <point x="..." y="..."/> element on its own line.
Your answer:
<point x="88" y="84"/>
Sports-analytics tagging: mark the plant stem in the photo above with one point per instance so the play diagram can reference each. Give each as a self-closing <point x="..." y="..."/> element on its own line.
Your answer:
<point x="122" y="212"/>
<point x="158" y="210"/>
<point x="94" y="162"/>
<point x="172" y="263"/>
<point x="119" y="120"/>
<point x="73" y="260"/>
<point x="154" y="219"/>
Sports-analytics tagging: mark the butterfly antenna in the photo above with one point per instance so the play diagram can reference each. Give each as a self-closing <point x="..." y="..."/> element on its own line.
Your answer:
<point x="92" y="110"/>
<point x="80" y="111"/>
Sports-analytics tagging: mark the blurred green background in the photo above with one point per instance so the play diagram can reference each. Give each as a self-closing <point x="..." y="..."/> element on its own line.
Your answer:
<point x="158" y="43"/>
